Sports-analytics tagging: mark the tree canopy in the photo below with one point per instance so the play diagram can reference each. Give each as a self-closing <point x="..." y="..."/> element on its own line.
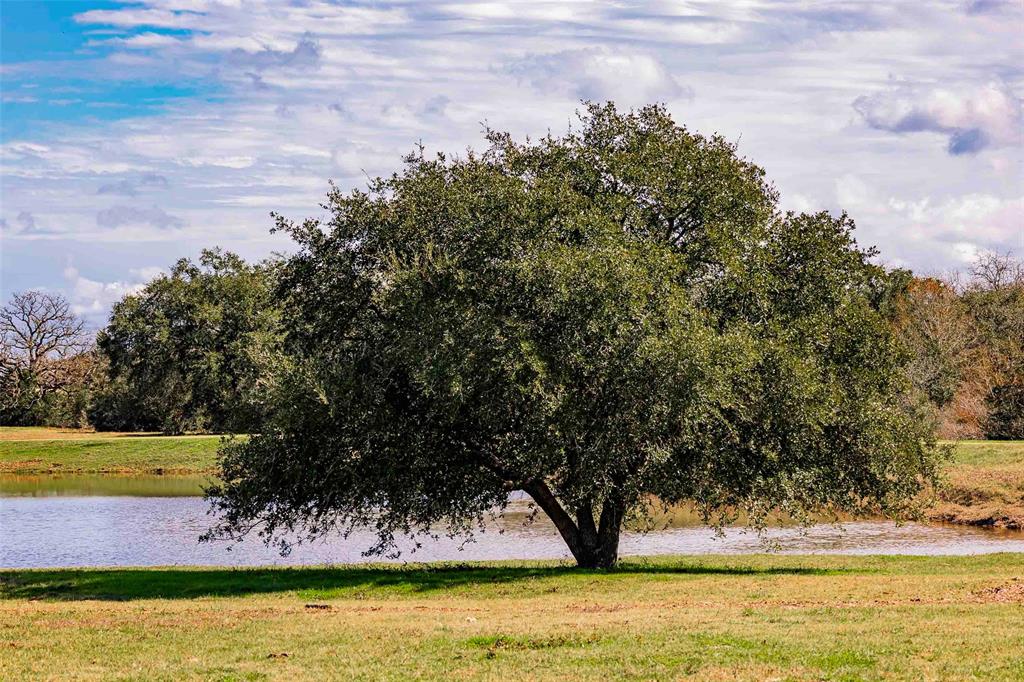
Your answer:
<point x="44" y="358"/>
<point x="967" y="341"/>
<point x="602" y="319"/>
<point x="187" y="353"/>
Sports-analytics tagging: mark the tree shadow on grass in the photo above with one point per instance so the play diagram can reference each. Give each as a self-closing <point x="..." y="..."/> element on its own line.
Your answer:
<point x="320" y="582"/>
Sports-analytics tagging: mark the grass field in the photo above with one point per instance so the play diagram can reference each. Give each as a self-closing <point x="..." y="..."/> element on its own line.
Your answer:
<point x="708" y="618"/>
<point x="31" y="450"/>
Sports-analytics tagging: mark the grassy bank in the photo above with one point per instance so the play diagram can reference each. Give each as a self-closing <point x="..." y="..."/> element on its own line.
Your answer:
<point x="984" y="486"/>
<point x="41" y="450"/>
<point x="754" y="618"/>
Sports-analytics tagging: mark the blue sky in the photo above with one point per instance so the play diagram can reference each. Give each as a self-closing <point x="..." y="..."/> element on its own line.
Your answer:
<point x="51" y="81"/>
<point x="136" y="133"/>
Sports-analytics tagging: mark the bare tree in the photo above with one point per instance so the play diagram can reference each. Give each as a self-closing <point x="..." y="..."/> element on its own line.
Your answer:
<point x="995" y="271"/>
<point x="40" y="338"/>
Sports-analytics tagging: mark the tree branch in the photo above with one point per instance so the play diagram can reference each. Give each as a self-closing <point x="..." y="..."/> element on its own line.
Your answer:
<point x="567" y="528"/>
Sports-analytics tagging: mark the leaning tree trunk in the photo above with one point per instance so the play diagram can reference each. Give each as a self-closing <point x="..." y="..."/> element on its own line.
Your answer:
<point x="593" y="546"/>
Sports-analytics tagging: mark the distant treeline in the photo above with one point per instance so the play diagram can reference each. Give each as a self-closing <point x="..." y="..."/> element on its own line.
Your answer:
<point x="198" y="349"/>
<point x="966" y="340"/>
<point x="186" y="354"/>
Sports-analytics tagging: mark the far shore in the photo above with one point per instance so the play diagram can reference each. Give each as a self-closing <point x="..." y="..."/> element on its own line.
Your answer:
<point x="984" y="484"/>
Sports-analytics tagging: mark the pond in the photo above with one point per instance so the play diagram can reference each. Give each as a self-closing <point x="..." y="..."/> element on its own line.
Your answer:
<point x="156" y="521"/>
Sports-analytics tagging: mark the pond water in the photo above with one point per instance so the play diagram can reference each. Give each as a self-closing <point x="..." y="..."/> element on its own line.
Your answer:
<point x="156" y="521"/>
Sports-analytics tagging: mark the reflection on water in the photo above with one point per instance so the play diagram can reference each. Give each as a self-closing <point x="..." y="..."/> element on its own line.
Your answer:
<point x="78" y="485"/>
<point x="155" y="531"/>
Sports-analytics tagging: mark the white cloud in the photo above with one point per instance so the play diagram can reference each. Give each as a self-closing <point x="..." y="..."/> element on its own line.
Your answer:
<point x="312" y="91"/>
<point x="147" y="273"/>
<point x="116" y="216"/>
<point x="221" y="161"/>
<point x="134" y="17"/>
<point x="600" y="74"/>
<point x="305" y="55"/>
<point x="91" y="298"/>
<point x="988" y="221"/>
<point x="142" y="41"/>
<point x="933" y="234"/>
<point x="989" y="115"/>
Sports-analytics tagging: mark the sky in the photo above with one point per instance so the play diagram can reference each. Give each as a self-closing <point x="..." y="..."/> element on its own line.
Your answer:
<point x="136" y="133"/>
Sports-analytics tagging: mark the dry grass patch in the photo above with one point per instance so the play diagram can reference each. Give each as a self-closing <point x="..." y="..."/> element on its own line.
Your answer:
<point x="56" y="433"/>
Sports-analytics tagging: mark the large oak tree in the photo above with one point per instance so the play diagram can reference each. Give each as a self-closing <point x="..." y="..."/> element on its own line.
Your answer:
<point x="601" y="319"/>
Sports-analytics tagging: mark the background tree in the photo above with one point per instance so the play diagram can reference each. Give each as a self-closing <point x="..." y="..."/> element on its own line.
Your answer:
<point x="995" y="298"/>
<point x="947" y="366"/>
<point x="967" y="342"/>
<point x="602" y="319"/>
<point x="186" y="353"/>
<point x="42" y="356"/>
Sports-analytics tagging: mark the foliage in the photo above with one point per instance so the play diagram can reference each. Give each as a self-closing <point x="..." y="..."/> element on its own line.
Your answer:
<point x="600" y="318"/>
<point x="47" y="369"/>
<point x="187" y="352"/>
<point x="996" y="300"/>
<point x="967" y="342"/>
<point x="939" y="329"/>
<point x="1006" y="412"/>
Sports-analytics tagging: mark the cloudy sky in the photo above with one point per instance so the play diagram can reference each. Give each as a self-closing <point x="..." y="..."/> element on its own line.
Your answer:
<point x="137" y="133"/>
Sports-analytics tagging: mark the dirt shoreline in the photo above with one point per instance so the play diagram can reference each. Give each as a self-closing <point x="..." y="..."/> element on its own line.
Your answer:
<point x="1011" y="518"/>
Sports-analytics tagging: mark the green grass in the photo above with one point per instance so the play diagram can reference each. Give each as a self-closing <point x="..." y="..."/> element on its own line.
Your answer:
<point x="989" y="452"/>
<point x="707" y="618"/>
<point x="102" y="453"/>
<point x="41" y="449"/>
<point x="984" y="486"/>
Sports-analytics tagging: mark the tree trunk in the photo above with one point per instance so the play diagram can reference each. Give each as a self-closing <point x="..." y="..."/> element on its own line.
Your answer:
<point x="613" y="511"/>
<point x="592" y="547"/>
